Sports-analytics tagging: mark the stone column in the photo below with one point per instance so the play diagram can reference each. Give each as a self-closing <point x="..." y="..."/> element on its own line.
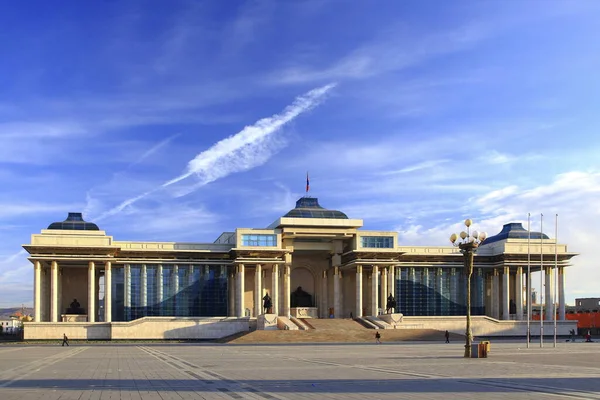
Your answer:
<point x="54" y="291"/>
<point x="275" y="288"/>
<point x="107" y="292"/>
<point x="359" y="291"/>
<point x="37" y="290"/>
<point x="395" y="288"/>
<point x="144" y="288"/>
<point x="549" y="311"/>
<point x="519" y="292"/>
<point x="336" y="293"/>
<point x="374" y="286"/>
<point x="495" y="294"/>
<point x="159" y="289"/>
<point x="240" y="290"/>
<point x="325" y="296"/>
<point x="127" y="290"/>
<point x="391" y="283"/>
<point x="286" y="290"/>
<point x="506" y="294"/>
<point x="561" y="293"/>
<point x="258" y="290"/>
<point x="383" y="296"/>
<point x="175" y="286"/>
<point x="91" y="311"/>
<point x="231" y="288"/>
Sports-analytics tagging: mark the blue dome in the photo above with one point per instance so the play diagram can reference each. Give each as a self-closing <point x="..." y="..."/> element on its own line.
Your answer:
<point x="514" y="230"/>
<point x="308" y="207"/>
<point x="74" y="222"/>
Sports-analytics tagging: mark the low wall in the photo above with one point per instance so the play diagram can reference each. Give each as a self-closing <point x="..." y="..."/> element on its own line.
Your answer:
<point x="486" y="326"/>
<point x="73" y="330"/>
<point x="143" y="328"/>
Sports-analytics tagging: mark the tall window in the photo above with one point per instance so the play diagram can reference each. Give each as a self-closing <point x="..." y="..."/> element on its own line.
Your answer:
<point x="259" y="240"/>
<point x="378" y="242"/>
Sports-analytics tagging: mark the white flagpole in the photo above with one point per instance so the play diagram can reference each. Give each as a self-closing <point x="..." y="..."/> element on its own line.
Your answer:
<point x="555" y="273"/>
<point x="541" y="280"/>
<point x="528" y="301"/>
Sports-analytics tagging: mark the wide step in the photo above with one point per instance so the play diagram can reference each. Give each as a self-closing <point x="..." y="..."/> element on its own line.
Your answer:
<point x="320" y="335"/>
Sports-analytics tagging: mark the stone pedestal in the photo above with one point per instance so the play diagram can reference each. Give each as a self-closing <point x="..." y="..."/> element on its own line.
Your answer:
<point x="266" y="322"/>
<point x="304" y="312"/>
<point x="392" y="319"/>
<point x="74" y="318"/>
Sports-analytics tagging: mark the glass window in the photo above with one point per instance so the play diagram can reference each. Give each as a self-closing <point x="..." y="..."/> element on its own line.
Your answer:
<point x="259" y="240"/>
<point x="378" y="242"/>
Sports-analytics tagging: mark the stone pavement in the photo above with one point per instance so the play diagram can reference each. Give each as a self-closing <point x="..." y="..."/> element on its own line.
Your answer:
<point x="298" y="371"/>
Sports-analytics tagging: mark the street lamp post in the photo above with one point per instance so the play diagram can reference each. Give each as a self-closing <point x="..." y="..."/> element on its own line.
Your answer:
<point x="468" y="243"/>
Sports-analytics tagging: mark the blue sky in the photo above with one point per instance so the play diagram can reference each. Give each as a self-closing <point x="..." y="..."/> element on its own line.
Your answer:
<point x="411" y="115"/>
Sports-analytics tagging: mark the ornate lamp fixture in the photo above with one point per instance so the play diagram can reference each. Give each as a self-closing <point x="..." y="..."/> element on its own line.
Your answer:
<point x="468" y="243"/>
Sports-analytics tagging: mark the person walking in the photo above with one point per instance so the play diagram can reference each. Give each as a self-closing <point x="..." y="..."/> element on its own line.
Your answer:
<point x="447" y="336"/>
<point x="65" y="340"/>
<point x="377" y="338"/>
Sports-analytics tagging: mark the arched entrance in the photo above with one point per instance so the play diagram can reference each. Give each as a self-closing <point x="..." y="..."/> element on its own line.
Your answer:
<point x="302" y="287"/>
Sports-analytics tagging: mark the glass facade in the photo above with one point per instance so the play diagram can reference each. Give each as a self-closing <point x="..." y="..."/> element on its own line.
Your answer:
<point x="377" y="242"/>
<point x="259" y="240"/>
<point x="438" y="291"/>
<point x="169" y="290"/>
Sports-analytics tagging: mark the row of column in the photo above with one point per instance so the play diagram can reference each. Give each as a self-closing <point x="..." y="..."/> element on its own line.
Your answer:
<point x="502" y="311"/>
<point x="237" y="306"/>
<point x="55" y="289"/>
<point x="236" y="297"/>
<point x="387" y="287"/>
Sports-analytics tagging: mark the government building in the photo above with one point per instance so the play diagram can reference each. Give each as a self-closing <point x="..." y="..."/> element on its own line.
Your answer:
<point x="310" y="263"/>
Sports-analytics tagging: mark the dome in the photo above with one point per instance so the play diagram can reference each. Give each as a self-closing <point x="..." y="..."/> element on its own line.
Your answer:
<point x="514" y="230"/>
<point x="308" y="207"/>
<point x="74" y="222"/>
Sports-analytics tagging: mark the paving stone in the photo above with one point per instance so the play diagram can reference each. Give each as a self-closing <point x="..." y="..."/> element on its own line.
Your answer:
<point x="298" y="371"/>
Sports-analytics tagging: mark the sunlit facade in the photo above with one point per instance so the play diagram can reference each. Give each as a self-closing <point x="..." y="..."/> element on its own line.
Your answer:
<point x="312" y="262"/>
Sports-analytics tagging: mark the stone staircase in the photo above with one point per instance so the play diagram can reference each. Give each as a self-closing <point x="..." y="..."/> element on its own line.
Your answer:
<point x="338" y="331"/>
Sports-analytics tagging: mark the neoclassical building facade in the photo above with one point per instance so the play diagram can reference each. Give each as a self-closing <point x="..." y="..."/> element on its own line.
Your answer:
<point x="312" y="262"/>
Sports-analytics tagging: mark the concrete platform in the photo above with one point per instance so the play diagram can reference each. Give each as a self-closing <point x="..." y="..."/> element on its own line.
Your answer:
<point x="299" y="371"/>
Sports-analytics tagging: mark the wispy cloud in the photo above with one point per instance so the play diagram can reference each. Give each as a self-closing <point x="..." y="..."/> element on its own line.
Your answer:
<point x="417" y="167"/>
<point x="392" y="50"/>
<point x="153" y="150"/>
<point x="246" y="149"/>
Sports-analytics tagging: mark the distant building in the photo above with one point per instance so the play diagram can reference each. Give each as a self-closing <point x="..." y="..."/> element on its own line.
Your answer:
<point x="10" y="326"/>
<point x="591" y="304"/>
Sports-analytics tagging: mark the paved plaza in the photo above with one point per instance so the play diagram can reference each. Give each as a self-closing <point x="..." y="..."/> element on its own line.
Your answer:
<point x="323" y="371"/>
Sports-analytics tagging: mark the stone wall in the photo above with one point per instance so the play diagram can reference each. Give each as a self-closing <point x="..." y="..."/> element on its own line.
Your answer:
<point x="73" y="330"/>
<point x="486" y="326"/>
<point x="143" y="328"/>
<point x="179" y="328"/>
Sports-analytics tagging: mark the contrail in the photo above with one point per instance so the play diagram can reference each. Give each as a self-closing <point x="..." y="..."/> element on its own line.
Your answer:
<point x="245" y="150"/>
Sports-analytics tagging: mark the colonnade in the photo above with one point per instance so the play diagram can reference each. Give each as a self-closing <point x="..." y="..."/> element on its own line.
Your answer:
<point x="55" y="290"/>
<point x="501" y="293"/>
<point x="506" y="284"/>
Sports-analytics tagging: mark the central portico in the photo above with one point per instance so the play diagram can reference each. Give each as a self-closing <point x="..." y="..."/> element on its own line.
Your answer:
<point x="319" y="256"/>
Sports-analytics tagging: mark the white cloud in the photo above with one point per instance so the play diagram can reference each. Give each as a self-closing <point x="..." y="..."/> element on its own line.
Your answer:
<point x="246" y="149"/>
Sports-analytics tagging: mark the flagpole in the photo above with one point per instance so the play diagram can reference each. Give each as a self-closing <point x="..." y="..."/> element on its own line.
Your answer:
<point x="541" y="280"/>
<point x="528" y="278"/>
<point x="555" y="273"/>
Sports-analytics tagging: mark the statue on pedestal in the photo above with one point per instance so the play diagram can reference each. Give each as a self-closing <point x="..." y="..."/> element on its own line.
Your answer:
<point x="300" y="298"/>
<point x="267" y="303"/>
<point x="391" y="304"/>
<point x="75" y="308"/>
